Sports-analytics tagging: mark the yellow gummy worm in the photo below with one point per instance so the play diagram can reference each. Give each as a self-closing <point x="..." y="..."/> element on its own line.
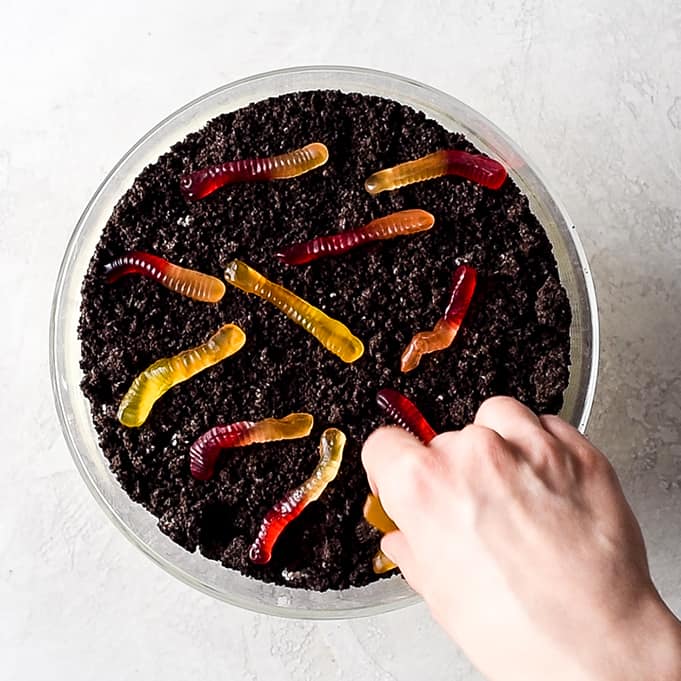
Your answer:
<point x="376" y="516"/>
<point x="290" y="427"/>
<point x="165" y="373"/>
<point x="332" y="334"/>
<point x="381" y="563"/>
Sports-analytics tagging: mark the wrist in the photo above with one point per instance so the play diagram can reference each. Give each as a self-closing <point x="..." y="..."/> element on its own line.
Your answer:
<point x="646" y="645"/>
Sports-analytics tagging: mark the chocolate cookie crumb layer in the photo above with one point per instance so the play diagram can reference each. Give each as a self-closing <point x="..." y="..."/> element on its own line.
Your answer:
<point x="514" y="340"/>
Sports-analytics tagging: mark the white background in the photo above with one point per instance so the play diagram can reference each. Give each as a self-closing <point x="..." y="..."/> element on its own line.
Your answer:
<point x="591" y="90"/>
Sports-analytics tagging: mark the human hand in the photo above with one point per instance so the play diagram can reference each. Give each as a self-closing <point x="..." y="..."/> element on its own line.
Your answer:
<point x="517" y="534"/>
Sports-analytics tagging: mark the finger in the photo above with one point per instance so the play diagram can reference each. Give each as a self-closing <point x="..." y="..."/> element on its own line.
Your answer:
<point x="476" y="439"/>
<point x="562" y="430"/>
<point x="508" y="417"/>
<point x="384" y="450"/>
<point x="400" y="474"/>
<point x="475" y="444"/>
<point x="521" y="428"/>
<point x="574" y="442"/>
<point x="396" y="547"/>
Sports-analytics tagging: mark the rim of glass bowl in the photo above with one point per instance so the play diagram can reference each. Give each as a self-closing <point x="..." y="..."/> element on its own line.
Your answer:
<point x="73" y="408"/>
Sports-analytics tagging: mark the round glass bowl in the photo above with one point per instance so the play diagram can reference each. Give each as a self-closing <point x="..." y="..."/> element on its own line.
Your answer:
<point x="74" y="411"/>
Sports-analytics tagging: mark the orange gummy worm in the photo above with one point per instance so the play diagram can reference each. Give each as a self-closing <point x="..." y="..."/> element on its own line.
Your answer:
<point x="401" y="223"/>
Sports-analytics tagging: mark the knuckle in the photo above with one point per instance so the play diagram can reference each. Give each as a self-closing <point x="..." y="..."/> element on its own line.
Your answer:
<point x="485" y="449"/>
<point x="544" y="464"/>
<point x="413" y="476"/>
<point x="544" y="452"/>
<point x="447" y="442"/>
<point x="493" y="404"/>
<point x="482" y="439"/>
<point x="551" y="419"/>
<point x="594" y="462"/>
<point x="375" y="444"/>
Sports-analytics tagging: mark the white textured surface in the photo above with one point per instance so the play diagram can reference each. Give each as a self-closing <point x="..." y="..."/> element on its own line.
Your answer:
<point x="591" y="90"/>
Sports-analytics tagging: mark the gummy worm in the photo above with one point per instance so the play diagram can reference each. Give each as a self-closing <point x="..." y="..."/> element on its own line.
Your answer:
<point x="396" y="224"/>
<point x="332" y="334"/>
<point x="187" y="282"/>
<point x="205" y="181"/>
<point x="204" y="453"/>
<point x="446" y="328"/>
<point x="375" y="515"/>
<point x="293" y="504"/>
<point x="381" y="563"/>
<point x="407" y="415"/>
<point x="165" y="373"/>
<point x="475" y="167"/>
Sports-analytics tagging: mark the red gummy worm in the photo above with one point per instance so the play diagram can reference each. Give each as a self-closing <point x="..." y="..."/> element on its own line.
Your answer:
<point x="205" y="181"/>
<point x="205" y="451"/>
<point x="276" y="520"/>
<point x="405" y="413"/>
<point x="447" y="327"/>
<point x="294" y="503"/>
<point x="476" y="168"/>
<point x="401" y="223"/>
<point x="136" y="262"/>
<point x="190" y="283"/>
<point x="463" y="286"/>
